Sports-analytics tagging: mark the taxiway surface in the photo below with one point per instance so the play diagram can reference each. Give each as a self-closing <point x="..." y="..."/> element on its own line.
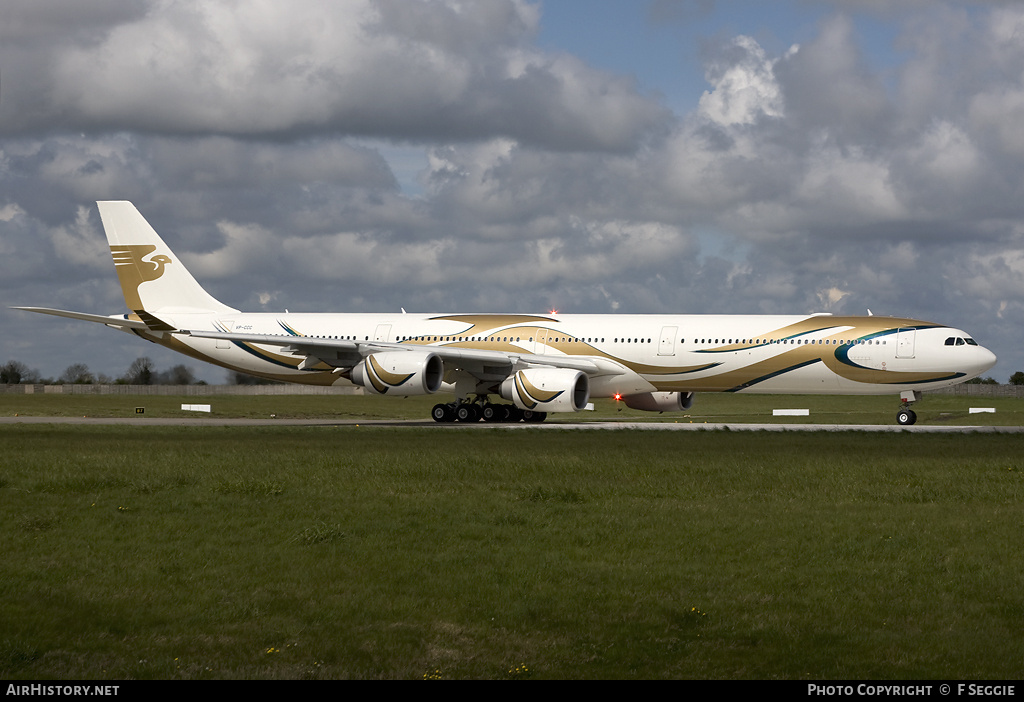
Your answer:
<point x="565" y="426"/>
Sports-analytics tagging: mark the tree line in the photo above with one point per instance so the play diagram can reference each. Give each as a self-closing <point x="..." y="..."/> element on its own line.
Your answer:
<point x="1015" y="379"/>
<point x="142" y="371"/>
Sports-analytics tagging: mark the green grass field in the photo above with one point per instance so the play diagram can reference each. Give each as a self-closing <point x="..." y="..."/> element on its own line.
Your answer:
<point x="362" y="552"/>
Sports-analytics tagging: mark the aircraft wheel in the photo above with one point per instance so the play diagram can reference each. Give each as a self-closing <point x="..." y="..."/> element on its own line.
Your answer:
<point x="443" y="413"/>
<point x="906" y="417"/>
<point x="492" y="413"/>
<point x="534" y="417"/>
<point x="467" y="413"/>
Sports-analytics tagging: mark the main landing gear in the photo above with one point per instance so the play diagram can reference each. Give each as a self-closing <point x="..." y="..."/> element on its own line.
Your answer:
<point x="470" y="412"/>
<point x="907" y="416"/>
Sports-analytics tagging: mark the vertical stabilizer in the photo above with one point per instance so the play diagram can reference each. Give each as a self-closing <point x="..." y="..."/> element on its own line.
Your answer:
<point x="152" y="277"/>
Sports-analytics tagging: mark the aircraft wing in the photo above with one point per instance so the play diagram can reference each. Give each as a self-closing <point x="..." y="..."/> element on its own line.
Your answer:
<point x="119" y="321"/>
<point x="480" y="362"/>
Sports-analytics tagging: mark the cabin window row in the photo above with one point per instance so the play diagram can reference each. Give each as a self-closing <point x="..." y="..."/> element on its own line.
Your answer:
<point x="796" y="342"/>
<point x="550" y="340"/>
<point x="951" y="341"/>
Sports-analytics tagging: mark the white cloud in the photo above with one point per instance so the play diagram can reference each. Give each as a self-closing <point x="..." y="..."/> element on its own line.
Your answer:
<point x="409" y="70"/>
<point x="743" y="90"/>
<point x="849" y="187"/>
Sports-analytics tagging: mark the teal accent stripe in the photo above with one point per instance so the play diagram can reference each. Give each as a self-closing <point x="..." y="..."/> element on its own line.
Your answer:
<point x="288" y="329"/>
<point x="776" y="374"/>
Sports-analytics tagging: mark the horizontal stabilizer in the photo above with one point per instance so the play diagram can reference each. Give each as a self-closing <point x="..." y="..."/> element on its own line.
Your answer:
<point x="115" y="321"/>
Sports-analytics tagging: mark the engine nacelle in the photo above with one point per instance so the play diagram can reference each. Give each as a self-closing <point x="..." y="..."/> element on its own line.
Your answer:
<point x="402" y="373"/>
<point x="660" y="401"/>
<point x="548" y="390"/>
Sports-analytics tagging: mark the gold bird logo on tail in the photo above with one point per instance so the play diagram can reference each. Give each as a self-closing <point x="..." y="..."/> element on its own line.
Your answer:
<point x="133" y="269"/>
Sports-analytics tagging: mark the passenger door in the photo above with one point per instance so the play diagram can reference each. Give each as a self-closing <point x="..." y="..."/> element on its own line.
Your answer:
<point x="382" y="333"/>
<point x="905" y="339"/>
<point x="667" y="343"/>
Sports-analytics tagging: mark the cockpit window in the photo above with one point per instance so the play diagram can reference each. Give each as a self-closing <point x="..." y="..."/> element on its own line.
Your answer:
<point x="950" y="341"/>
<point x="957" y="341"/>
<point x="971" y="342"/>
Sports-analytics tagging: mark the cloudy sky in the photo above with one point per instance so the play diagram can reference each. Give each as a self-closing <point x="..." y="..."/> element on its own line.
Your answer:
<point x="726" y="156"/>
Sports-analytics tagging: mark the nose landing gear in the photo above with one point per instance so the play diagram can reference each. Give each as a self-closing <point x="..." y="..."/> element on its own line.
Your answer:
<point x="907" y="416"/>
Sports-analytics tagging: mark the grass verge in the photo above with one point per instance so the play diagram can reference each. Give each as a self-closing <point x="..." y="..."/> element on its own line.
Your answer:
<point x="382" y="553"/>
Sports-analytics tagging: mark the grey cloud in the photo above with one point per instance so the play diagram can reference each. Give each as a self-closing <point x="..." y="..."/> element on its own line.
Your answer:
<point x="419" y="71"/>
<point x="30" y="21"/>
<point x="223" y="163"/>
<point x="828" y="88"/>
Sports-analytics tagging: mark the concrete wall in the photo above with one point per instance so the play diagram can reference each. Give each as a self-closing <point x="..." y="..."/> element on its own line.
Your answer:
<point x="287" y="389"/>
<point x="981" y="390"/>
<point x="199" y="390"/>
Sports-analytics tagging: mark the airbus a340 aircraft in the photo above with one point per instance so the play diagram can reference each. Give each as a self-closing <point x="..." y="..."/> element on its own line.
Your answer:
<point x="537" y="363"/>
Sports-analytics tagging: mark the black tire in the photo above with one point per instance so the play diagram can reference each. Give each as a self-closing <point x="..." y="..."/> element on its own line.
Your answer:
<point x="534" y="417"/>
<point x="906" y="417"/>
<point x="442" y="413"/>
<point x="467" y="413"/>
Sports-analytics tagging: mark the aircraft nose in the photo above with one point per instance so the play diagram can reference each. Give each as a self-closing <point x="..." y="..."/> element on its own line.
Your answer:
<point x="985" y="359"/>
<point x="980" y="360"/>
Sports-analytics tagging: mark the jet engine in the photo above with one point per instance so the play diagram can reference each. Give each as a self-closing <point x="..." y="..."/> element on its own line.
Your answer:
<point x="402" y="373"/>
<point x="660" y="401"/>
<point x="547" y="390"/>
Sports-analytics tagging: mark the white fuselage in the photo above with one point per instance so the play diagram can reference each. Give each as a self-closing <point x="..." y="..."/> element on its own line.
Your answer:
<point x="642" y="353"/>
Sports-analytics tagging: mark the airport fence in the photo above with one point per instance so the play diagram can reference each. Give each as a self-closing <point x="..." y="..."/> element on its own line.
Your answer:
<point x="981" y="390"/>
<point x="172" y="390"/>
<point x="972" y="390"/>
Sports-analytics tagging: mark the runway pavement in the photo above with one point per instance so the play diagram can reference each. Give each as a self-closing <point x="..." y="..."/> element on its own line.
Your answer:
<point x="546" y="426"/>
